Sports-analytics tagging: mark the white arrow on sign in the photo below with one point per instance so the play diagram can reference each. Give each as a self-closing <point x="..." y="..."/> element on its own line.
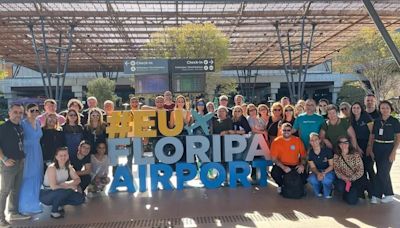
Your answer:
<point x="126" y="63"/>
<point x="211" y="61"/>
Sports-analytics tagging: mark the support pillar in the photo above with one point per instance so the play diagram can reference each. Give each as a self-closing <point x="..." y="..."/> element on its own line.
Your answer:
<point x="78" y="92"/>
<point x="275" y="86"/>
<point x="335" y="89"/>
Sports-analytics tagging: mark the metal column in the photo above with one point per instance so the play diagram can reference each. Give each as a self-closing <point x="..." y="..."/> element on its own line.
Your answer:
<point x="43" y="51"/>
<point x="381" y="27"/>
<point x="247" y="83"/>
<point x="291" y="66"/>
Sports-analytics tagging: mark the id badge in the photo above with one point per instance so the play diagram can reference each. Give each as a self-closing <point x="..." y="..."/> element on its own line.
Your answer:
<point x="381" y="131"/>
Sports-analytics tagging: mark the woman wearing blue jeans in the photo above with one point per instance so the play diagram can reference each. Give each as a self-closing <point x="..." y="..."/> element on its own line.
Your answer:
<point x="320" y="160"/>
<point x="60" y="184"/>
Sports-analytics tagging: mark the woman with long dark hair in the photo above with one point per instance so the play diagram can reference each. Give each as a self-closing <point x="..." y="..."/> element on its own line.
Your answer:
<point x="362" y="124"/>
<point x="385" y="140"/>
<point x="33" y="166"/>
<point x="73" y="131"/>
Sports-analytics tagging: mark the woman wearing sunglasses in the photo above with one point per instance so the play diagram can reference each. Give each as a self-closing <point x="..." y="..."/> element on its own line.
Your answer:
<point x="349" y="169"/>
<point x="288" y="117"/>
<point x="276" y="116"/>
<point x="73" y="131"/>
<point x="95" y="129"/>
<point x="33" y="167"/>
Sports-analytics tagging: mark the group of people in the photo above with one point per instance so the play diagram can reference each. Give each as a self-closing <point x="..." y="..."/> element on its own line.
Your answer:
<point x="52" y="158"/>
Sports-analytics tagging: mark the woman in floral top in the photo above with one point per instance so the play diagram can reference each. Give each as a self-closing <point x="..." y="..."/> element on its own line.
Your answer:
<point x="349" y="169"/>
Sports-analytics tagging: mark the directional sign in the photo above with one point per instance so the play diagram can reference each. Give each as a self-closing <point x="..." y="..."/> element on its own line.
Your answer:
<point x="145" y="66"/>
<point x="192" y="65"/>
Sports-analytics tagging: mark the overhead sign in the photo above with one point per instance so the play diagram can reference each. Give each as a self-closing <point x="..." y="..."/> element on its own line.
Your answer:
<point x="146" y="66"/>
<point x="192" y="65"/>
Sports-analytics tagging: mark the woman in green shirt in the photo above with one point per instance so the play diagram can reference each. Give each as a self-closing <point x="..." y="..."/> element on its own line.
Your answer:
<point x="334" y="127"/>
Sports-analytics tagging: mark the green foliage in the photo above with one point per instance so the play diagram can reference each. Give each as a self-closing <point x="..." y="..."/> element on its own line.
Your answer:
<point x="103" y="89"/>
<point x="368" y="53"/>
<point x="193" y="41"/>
<point x="189" y="41"/>
<point x="351" y="91"/>
<point x="3" y="74"/>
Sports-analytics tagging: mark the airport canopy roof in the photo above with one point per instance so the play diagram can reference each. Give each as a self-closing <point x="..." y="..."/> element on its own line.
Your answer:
<point x="109" y="31"/>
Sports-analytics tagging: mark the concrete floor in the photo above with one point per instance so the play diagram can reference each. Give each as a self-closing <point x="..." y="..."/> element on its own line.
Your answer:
<point x="223" y="207"/>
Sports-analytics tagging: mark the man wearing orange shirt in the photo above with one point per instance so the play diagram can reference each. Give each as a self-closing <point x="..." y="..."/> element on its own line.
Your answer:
<point x="287" y="152"/>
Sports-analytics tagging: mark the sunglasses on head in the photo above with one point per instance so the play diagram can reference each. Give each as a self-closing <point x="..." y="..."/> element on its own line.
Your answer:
<point x="344" y="142"/>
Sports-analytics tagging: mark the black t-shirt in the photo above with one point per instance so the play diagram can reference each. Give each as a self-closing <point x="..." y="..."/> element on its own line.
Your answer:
<point x="272" y="127"/>
<point x="390" y="127"/>
<point x="361" y="126"/>
<point x="321" y="160"/>
<point x="242" y="124"/>
<point x="11" y="140"/>
<point x="220" y="126"/>
<point x="78" y="164"/>
<point x="50" y="141"/>
<point x="375" y="114"/>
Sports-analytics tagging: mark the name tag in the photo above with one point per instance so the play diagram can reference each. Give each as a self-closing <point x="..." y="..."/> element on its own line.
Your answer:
<point x="381" y="131"/>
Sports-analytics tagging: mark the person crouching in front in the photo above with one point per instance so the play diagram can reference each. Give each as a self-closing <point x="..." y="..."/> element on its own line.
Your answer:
<point x="288" y="154"/>
<point x="61" y="184"/>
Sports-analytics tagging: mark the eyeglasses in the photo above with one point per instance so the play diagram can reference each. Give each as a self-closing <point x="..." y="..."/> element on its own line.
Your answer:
<point x="287" y="130"/>
<point x="343" y="142"/>
<point x="34" y="110"/>
<point x="200" y="104"/>
<point x="276" y="110"/>
<point x="289" y="110"/>
<point x="343" y="109"/>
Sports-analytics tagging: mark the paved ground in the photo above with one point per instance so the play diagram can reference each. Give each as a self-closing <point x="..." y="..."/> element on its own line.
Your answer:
<point x="224" y="207"/>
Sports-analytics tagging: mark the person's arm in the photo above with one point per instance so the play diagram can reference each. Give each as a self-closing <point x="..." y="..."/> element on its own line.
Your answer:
<point x="71" y="184"/>
<point x="370" y="140"/>
<point x="352" y="135"/>
<point x="322" y="135"/>
<point x="313" y="168"/>
<point x="295" y="125"/>
<point x="330" y="167"/>
<point x="86" y="171"/>
<point x="6" y="161"/>
<point x="392" y="156"/>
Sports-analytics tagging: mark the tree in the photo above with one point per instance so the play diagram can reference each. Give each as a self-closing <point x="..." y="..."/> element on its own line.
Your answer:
<point x="103" y="89"/>
<point x="368" y="54"/>
<point x="351" y="92"/>
<point x="191" y="41"/>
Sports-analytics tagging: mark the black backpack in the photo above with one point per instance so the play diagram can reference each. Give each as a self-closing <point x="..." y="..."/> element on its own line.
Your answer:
<point x="293" y="186"/>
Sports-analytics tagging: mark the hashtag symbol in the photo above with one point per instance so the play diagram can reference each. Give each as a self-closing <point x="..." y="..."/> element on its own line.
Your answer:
<point x="118" y="124"/>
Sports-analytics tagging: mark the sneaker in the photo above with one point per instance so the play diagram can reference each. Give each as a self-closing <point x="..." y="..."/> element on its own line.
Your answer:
<point x="279" y="190"/>
<point x="56" y="215"/>
<point x="387" y="199"/>
<point x="61" y="210"/>
<point x="375" y="200"/>
<point x="14" y="217"/>
<point x="319" y="195"/>
<point x="4" y="223"/>
<point x="328" y="197"/>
